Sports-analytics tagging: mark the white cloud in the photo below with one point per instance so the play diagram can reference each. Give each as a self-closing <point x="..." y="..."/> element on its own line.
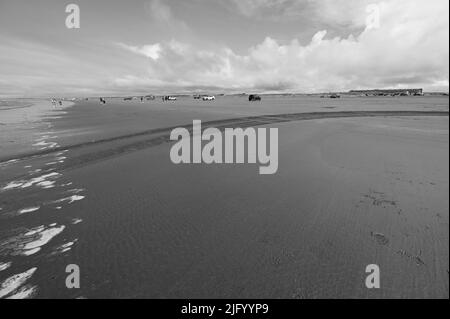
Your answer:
<point x="151" y="51"/>
<point x="410" y="48"/>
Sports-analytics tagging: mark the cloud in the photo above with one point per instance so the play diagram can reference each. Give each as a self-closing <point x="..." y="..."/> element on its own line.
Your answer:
<point x="410" y="48"/>
<point x="163" y="18"/>
<point x="151" y="51"/>
<point x="159" y="10"/>
<point x="328" y="11"/>
<point x="260" y="7"/>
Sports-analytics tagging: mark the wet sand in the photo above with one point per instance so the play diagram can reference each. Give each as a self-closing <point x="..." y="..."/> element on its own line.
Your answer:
<point x="367" y="188"/>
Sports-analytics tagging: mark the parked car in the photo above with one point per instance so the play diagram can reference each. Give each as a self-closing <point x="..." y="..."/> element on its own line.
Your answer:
<point x="253" y="98"/>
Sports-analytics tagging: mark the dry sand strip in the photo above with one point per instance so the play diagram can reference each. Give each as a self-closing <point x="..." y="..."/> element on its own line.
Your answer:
<point x="97" y="150"/>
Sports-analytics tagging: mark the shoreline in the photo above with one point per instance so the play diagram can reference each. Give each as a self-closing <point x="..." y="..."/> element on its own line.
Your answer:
<point x="234" y="122"/>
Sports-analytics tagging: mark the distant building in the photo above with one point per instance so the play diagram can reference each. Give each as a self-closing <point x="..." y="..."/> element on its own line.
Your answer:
<point x="392" y="92"/>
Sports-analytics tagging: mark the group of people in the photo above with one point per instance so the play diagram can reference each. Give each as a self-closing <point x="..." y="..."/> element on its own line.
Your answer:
<point x="56" y="103"/>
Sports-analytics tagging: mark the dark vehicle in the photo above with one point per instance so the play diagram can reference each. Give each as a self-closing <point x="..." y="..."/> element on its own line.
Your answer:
<point x="254" y="98"/>
<point x="169" y="98"/>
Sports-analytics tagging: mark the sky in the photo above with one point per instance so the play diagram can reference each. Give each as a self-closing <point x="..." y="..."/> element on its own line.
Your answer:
<point x="222" y="46"/>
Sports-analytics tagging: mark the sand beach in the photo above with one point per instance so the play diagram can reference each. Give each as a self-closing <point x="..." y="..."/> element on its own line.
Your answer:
<point x="360" y="181"/>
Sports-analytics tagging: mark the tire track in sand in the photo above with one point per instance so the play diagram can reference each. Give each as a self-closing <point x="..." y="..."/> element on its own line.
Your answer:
<point x="102" y="149"/>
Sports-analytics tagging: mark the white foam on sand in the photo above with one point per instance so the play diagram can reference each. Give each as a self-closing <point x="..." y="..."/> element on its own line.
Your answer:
<point x="44" y="236"/>
<point x="31" y="251"/>
<point x="31" y="242"/>
<point x="31" y="182"/>
<point x="46" y="137"/>
<point x="28" y="210"/>
<point x="76" y="221"/>
<point x="70" y="199"/>
<point x="25" y="292"/>
<point x="76" y="190"/>
<point x="3" y="164"/>
<point x="67" y="184"/>
<point x="4" y="266"/>
<point x="46" y="184"/>
<point x="12" y="185"/>
<point x="13" y="283"/>
<point x="65" y="247"/>
<point x="45" y="145"/>
<point x="35" y="231"/>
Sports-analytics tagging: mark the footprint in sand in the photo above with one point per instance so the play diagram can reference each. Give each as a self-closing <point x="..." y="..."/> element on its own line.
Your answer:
<point x="380" y="238"/>
<point x="416" y="258"/>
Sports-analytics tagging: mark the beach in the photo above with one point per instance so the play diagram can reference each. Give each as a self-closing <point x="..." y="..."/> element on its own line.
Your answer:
<point x="360" y="181"/>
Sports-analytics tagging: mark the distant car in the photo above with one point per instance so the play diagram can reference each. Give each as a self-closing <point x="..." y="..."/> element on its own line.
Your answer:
<point x="254" y="98"/>
<point x="209" y="98"/>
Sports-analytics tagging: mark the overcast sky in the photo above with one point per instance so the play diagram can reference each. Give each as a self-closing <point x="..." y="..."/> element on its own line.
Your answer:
<point x="162" y="46"/>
